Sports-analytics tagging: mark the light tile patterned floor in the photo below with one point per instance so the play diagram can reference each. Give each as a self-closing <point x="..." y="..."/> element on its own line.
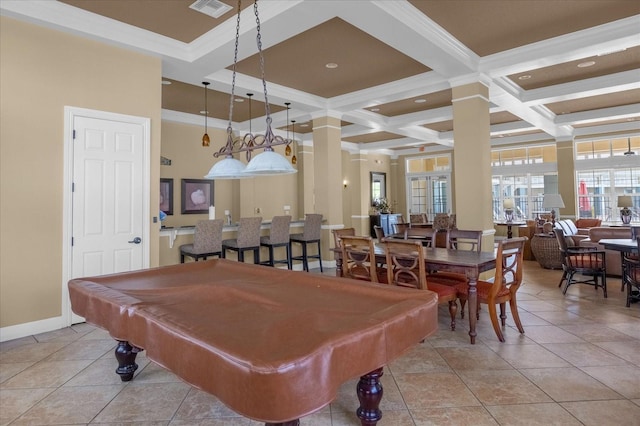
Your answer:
<point x="578" y="363"/>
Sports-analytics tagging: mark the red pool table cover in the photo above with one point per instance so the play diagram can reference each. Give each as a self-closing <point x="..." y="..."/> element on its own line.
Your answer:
<point x="274" y="345"/>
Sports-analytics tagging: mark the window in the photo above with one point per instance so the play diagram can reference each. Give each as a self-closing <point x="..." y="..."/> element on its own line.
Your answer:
<point x="523" y="174"/>
<point x="604" y="171"/>
<point x="428" y="185"/>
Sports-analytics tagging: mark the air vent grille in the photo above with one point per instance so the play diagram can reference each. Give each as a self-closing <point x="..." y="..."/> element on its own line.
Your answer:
<point x="213" y="8"/>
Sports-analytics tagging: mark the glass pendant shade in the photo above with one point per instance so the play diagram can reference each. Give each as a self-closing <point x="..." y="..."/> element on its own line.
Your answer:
<point x="269" y="162"/>
<point x="205" y="140"/>
<point x="228" y="168"/>
<point x="287" y="151"/>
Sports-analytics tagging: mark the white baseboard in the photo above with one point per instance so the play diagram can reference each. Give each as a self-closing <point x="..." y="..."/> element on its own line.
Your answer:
<point x="30" y="328"/>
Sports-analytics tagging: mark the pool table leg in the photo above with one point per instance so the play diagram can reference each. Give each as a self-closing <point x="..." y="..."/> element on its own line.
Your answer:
<point x="291" y="423"/>
<point x="126" y="356"/>
<point x="370" y="394"/>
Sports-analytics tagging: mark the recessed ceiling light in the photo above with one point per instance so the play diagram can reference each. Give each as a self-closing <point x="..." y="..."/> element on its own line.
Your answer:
<point x="166" y="82"/>
<point x="238" y="100"/>
<point x="586" y="64"/>
<point x="204" y="112"/>
<point x="420" y="101"/>
<point x="374" y="109"/>
<point x="331" y="65"/>
<point x="524" y="77"/>
<point x="304" y="125"/>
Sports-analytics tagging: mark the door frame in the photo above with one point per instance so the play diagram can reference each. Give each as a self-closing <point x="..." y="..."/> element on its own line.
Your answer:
<point x="70" y="114"/>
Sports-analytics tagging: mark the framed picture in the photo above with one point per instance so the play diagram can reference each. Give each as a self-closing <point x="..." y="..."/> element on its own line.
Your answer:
<point x="197" y="196"/>
<point x="166" y="196"/>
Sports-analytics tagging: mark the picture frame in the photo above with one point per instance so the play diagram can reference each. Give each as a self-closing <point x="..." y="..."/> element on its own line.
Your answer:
<point x="196" y="196"/>
<point x="166" y="196"/>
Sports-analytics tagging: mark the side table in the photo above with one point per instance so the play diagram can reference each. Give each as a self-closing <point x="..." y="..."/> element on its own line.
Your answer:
<point x="546" y="250"/>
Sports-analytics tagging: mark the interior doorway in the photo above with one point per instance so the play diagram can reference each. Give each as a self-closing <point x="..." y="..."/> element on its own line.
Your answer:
<point x="106" y="196"/>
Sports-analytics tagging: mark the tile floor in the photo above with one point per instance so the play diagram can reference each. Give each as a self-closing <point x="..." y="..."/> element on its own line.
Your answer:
<point x="577" y="364"/>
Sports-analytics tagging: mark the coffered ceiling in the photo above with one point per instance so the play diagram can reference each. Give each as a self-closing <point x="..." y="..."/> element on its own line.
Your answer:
<point x="555" y="69"/>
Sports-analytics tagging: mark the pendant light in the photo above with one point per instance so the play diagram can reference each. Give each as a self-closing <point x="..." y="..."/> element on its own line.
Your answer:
<point x="205" y="138"/>
<point x="294" y="160"/>
<point x="266" y="163"/>
<point x="287" y="150"/>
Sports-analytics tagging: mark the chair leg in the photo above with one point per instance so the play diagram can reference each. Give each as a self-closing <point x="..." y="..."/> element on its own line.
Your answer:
<point x="604" y="284"/>
<point x="494" y="321"/>
<point x="305" y="259"/>
<point x="503" y="315"/>
<point x="516" y="315"/>
<point x="453" y="310"/>
<point x="240" y="255"/>
<point x="256" y="255"/>
<point x="270" y="255"/>
<point x="289" y="261"/>
<point x="181" y="258"/>
<point x="223" y="254"/>
<point x="320" y="256"/>
<point x="463" y="302"/>
<point x="564" y="277"/>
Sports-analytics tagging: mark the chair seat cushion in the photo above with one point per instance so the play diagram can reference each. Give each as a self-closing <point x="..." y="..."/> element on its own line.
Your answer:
<point x="447" y="278"/>
<point x="445" y="292"/>
<point x="483" y="288"/>
<point x="585" y="262"/>
<point x="302" y="239"/>
<point x="188" y="249"/>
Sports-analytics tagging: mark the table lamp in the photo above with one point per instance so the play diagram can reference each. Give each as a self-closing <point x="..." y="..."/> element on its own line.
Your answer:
<point x="552" y="201"/>
<point x="508" y="205"/>
<point x="625" y="202"/>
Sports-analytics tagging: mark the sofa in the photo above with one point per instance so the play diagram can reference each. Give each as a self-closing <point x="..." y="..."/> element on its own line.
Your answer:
<point x="613" y="259"/>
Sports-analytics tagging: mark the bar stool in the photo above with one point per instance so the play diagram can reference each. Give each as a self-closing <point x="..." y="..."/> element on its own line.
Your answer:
<point x="207" y="241"/>
<point x="248" y="239"/>
<point x="310" y="234"/>
<point x="278" y="237"/>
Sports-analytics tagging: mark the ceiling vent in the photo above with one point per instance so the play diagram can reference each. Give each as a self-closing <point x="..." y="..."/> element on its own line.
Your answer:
<point x="213" y="8"/>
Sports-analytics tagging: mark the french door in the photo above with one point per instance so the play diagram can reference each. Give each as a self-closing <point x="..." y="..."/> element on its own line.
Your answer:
<point x="429" y="193"/>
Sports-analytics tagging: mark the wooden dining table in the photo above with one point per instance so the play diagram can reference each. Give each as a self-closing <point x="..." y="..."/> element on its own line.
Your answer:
<point x="469" y="263"/>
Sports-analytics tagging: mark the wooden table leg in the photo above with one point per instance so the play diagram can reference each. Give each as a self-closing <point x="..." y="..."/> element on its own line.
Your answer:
<point x="338" y="265"/>
<point x="370" y="394"/>
<point x="473" y="306"/>
<point x="126" y="356"/>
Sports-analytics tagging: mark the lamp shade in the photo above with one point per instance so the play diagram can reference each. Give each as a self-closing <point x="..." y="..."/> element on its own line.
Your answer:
<point x="550" y="201"/>
<point x="228" y="168"/>
<point x="625" y="201"/>
<point x="269" y="163"/>
<point x="508" y="203"/>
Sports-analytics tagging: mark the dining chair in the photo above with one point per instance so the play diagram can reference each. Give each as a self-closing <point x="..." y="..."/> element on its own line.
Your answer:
<point x="425" y="235"/>
<point x="406" y="268"/>
<point x="278" y="237"/>
<point x="207" y="241"/>
<point x="589" y="262"/>
<point x="418" y="218"/>
<point x="358" y="258"/>
<point x="503" y="287"/>
<point x="401" y="229"/>
<point x="458" y="239"/>
<point x="631" y="274"/>
<point x="310" y="235"/>
<point x="248" y="239"/>
<point x="379" y="233"/>
<point x="339" y="233"/>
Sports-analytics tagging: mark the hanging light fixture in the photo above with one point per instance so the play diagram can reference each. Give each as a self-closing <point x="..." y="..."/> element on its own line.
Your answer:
<point x="294" y="160"/>
<point x="266" y="163"/>
<point x="287" y="150"/>
<point x="205" y="138"/>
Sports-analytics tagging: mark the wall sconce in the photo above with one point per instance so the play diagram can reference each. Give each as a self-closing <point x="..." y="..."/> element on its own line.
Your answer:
<point x="345" y="183"/>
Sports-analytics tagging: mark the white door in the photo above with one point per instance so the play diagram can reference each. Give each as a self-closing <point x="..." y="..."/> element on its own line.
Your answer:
<point x="108" y="175"/>
<point x="429" y="194"/>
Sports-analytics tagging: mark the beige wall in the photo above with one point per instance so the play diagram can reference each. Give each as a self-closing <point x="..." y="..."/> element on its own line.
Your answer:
<point x="41" y="72"/>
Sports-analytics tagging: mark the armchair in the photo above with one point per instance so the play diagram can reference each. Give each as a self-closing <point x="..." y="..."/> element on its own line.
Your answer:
<point x="588" y="262"/>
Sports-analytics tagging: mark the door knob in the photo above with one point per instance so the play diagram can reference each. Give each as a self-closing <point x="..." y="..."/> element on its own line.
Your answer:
<point x="136" y="240"/>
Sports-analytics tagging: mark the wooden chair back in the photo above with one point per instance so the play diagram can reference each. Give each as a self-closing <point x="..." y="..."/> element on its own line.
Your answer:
<point x="405" y="263"/>
<point x="339" y="233"/>
<point x="509" y="267"/>
<point x="358" y="258"/>
<point x="462" y="239"/>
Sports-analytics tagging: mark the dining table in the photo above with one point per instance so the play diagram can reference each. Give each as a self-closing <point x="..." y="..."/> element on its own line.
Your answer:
<point x="469" y="263"/>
